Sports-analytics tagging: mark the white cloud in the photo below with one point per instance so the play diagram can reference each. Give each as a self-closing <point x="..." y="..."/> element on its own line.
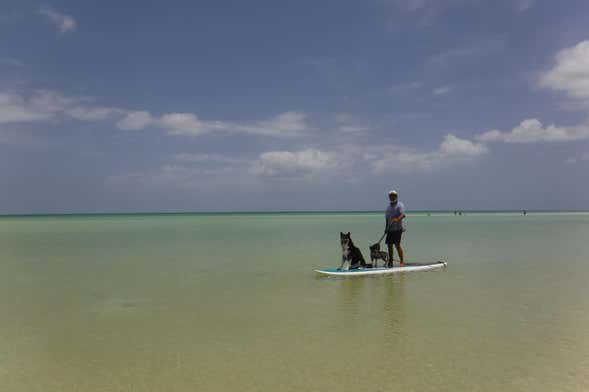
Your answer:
<point x="64" y="23"/>
<point x="353" y="128"/>
<point x="426" y="11"/>
<point x="453" y="150"/>
<point x="288" y="124"/>
<point x="347" y="123"/>
<point x="453" y="146"/>
<point x="354" y="160"/>
<point x="380" y="158"/>
<point x="91" y="113"/>
<point x="571" y="72"/>
<point x="15" y="108"/>
<point x="433" y="7"/>
<point x="188" y="124"/>
<point x="405" y="87"/>
<point x="208" y="158"/>
<point x="532" y="131"/>
<point x="287" y="164"/>
<point x="135" y="120"/>
<point x="414" y="5"/>
<point x="405" y="161"/>
<point x="476" y="48"/>
<point x="51" y="101"/>
<point x="523" y="5"/>
<point x="569" y="75"/>
<point x="443" y="90"/>
<point x="194" y="170"/>
<point x="43" y="105"/>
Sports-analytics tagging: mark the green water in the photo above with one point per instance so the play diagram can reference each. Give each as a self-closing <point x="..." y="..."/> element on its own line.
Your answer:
<point x="231" y="303"/>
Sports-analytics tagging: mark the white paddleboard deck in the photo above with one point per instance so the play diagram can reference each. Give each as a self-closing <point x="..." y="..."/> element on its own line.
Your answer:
<point x="408" y="267"/>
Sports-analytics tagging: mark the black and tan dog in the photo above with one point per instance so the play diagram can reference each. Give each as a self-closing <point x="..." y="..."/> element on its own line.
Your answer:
<point x="376" y="253"/>
<point x="351" y="254"/>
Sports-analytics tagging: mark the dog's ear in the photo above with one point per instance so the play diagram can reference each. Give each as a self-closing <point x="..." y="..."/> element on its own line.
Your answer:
<point x="348" y="233"/>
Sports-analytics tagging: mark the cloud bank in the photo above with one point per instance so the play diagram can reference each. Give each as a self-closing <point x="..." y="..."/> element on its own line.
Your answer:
<point x="452" y="151"/>
<point x="64" y="23"/>
<point x="570" y="74"/>
<point x="532" y="131"/>
<point x="287" y="124"/>
<point x="294" y="164"/>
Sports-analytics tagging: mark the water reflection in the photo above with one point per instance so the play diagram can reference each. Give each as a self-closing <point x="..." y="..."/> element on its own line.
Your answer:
<point x="352" y="297"/>
<point x="377" y="302"/>
<point x="393" y="305"/>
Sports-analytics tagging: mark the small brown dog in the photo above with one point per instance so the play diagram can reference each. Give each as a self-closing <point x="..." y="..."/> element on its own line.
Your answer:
<point x="376" y="253"/>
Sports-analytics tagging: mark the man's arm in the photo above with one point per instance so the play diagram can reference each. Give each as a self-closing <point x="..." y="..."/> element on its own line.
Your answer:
<point x="399" y="218"/>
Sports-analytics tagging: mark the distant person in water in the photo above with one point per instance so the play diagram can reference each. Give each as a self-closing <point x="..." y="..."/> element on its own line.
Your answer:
<point x="394" y="227"/>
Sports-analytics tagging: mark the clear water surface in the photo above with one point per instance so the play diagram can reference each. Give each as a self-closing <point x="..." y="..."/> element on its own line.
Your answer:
<point x="230" y="302"/>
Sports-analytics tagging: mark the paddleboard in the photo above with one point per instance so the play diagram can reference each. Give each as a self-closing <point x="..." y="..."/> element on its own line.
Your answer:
<point x="384" y="270"/>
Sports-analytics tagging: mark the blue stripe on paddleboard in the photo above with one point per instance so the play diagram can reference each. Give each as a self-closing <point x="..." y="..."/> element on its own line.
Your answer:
<point x="361" y="269"/>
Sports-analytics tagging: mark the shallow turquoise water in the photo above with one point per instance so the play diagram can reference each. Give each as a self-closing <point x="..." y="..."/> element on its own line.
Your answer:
<point x="230" y="302"/>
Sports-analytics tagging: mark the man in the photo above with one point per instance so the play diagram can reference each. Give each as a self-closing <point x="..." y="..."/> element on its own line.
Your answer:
<point x="394" y="227"/>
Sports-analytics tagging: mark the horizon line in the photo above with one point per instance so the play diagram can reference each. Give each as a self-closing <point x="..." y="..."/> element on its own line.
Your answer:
<point x="49" y="214"/>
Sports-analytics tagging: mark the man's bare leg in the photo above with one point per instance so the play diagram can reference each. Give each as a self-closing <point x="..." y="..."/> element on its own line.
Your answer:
<point x="400" y="251"/>
<point x="390" y="248"/>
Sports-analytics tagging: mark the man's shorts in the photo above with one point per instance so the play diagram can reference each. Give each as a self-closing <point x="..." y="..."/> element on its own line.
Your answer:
<point x="394" y="237"/>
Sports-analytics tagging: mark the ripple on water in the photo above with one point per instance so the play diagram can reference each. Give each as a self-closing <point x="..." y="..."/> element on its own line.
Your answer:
<point x="118" y="305"/>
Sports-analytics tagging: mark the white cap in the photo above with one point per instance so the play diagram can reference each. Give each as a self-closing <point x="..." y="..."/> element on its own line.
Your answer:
<point x="392" y="192"/>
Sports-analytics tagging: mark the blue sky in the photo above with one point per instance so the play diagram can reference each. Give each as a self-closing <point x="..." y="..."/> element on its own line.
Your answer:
<point x="308" y="105"/>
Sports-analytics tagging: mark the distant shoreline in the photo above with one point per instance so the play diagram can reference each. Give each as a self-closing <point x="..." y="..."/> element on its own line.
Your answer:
<point x="173" y="213"/>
